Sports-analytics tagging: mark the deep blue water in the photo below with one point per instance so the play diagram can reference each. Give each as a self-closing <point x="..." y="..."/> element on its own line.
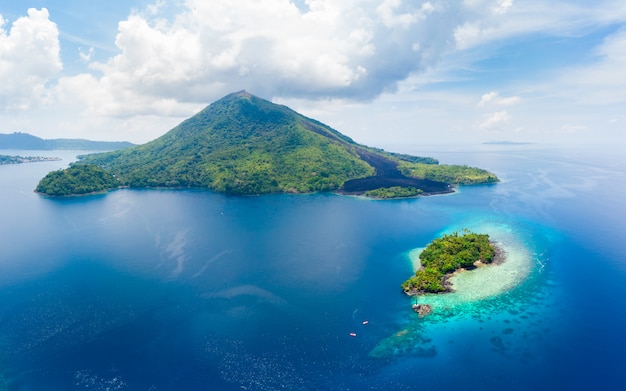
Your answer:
<point x="187" y="289"/>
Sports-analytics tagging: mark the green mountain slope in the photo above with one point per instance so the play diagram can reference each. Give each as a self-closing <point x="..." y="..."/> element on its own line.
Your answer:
<point x="243" y="144"/>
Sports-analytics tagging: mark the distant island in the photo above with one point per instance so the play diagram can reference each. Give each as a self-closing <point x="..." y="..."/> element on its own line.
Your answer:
<point x="27" y="141"/>
<point x="5" y="159"/>
<point x="507" y="143"/>
<point x="245" y="145"/>
<point x="447" y="255"/>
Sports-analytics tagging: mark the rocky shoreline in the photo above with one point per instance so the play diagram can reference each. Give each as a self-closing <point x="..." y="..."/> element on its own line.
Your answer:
<point x="388" y="175"/>
<point x="422" y="309"/>
<point x="498" y="259"/>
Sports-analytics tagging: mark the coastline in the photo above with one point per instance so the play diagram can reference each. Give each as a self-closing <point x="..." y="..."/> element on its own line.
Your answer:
<point x="511" y="264"/>
<point x="499" y="258"/>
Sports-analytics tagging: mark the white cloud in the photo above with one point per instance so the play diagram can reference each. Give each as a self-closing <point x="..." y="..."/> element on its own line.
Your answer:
<point x="487" y="21"/>
<point x="353" y="49"/>
<point x="601" y="82"/>
<point x="573" y="128"/>
<point x="29" y="59"/>
<point x="391" y="19"/>
<point x="495" y="121"/>
<point x="501" y="6"/>
<point x="86" y="55"/>
<point x="493" y="98"/>
<point x="173" y="58"/>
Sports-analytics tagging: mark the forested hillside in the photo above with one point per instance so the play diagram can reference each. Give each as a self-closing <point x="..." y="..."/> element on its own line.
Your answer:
<point x="27" y="141"/>
<point x="242" y="144"/>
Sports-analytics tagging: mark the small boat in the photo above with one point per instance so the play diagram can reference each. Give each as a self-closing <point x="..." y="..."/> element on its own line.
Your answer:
<point x="353" y="334"/>
<point x="366" y="321"/>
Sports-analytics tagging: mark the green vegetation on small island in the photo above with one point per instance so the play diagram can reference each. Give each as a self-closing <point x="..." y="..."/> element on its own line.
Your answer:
<point x="394" y="192"/>
<point x="77" y="179"/>
<point x="445" y="255"/>
<point x="462" y="175"/>
<point x="242" y="144"/>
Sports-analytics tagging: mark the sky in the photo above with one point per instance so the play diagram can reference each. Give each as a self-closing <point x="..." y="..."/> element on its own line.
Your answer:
<point x="388" y="73"/>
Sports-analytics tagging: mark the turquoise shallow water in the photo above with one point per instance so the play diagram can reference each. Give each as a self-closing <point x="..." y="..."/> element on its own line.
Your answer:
<point x="186" y="289"/>
<point x="486" y="282"/>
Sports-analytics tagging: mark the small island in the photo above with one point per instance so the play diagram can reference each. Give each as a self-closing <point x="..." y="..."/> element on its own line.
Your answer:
<point x="447" y="255"/>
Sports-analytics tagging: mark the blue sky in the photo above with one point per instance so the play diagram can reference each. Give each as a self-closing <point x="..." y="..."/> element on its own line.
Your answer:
<point x="390" y="73"/>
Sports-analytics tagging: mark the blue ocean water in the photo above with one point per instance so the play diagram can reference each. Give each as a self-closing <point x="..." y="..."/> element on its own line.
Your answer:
<point x="187" y="289"/>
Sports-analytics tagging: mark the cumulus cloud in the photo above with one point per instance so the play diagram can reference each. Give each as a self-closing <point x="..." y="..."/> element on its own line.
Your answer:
<point x="29" y="59"/>
<point x="494" y="121"/>
<point x="353" y="50"/>
<point x="493" y="98"/>
<point x="485" y="22"/>
<point x="175" y="57"/>
<point x="391" y="18"/>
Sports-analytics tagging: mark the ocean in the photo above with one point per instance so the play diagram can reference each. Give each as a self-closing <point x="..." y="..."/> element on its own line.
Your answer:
<point x="191" y="290"/>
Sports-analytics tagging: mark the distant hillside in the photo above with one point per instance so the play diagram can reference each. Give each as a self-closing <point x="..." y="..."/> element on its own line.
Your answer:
<point x="4" y="159"/>
<point x="29" y="142"/>
<point x="242" y="144"/>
